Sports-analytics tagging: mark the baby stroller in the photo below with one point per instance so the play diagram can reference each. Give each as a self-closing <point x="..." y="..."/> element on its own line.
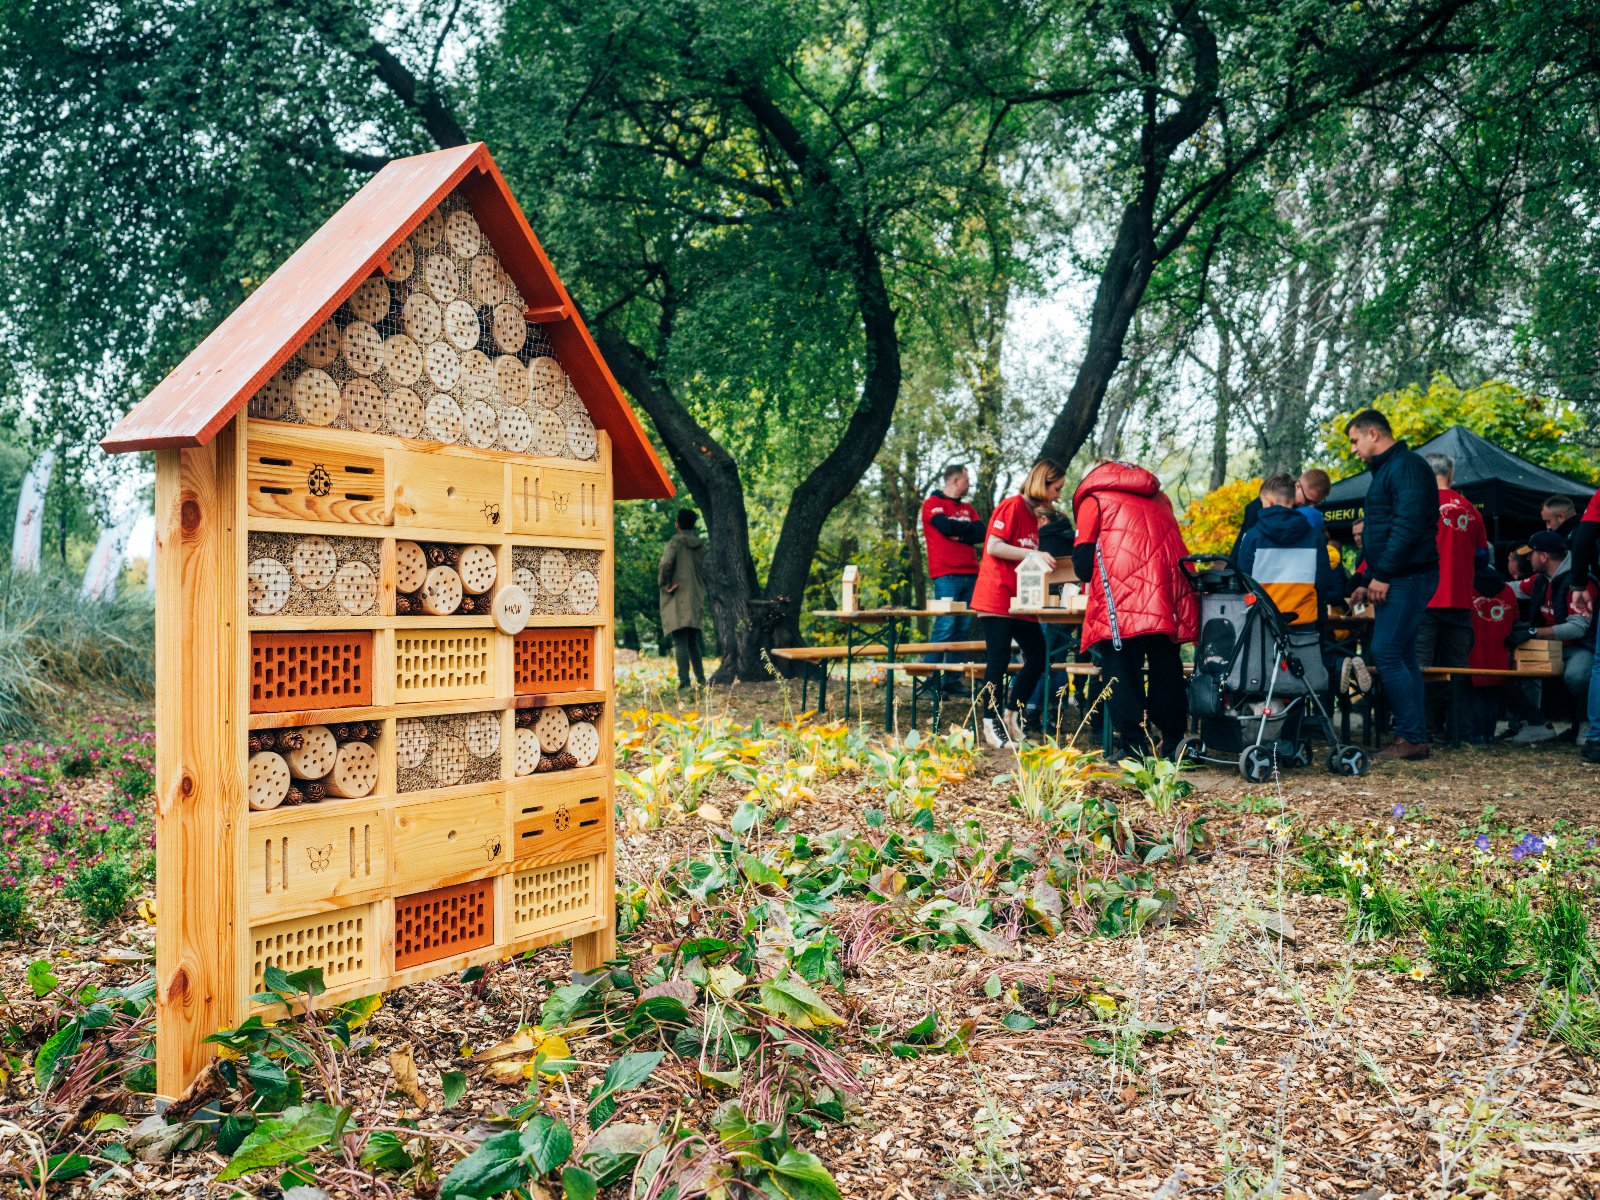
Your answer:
<point x="1258" y="680"/>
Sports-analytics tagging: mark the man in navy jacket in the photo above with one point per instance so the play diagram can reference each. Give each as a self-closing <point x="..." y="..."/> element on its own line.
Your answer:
<point x="1402" y="553"/>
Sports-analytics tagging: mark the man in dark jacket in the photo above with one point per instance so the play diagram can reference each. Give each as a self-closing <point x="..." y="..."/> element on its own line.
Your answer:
<point x="1402" y="553"/>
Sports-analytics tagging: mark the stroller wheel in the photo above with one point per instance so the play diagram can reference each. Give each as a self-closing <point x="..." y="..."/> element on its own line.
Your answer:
<point x="1255" y="764"/>
<point x="1348" y="760"/>
<point x="1189" y="751"/>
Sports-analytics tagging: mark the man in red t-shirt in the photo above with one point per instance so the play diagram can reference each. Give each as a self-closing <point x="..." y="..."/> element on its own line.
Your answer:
<point x="951" y="530"/>
<point x="1444" y="638"/>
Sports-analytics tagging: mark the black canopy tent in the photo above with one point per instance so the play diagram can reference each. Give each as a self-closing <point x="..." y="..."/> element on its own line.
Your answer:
<point x="1508" y="489"/>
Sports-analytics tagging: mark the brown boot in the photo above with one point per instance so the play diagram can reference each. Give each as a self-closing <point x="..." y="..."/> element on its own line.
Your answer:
<point x="1400" y="748"/>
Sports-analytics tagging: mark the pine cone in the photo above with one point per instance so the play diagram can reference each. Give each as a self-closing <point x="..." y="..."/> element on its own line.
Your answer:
<point x="291" y="739"/>
<point x="316" y="792"/>
<point x="565" y="760"/>
<point x="452" y="556"/>
<point x="255" y="744"/>
<point x="362" y="732"/>
<point x="526" y="717"/>
<point x="341" y="733"/>
<point x="436" y="555"/>
<point x="545" y="763"/>
<point x="404" y="605"/>
<point x="294" y="796"/>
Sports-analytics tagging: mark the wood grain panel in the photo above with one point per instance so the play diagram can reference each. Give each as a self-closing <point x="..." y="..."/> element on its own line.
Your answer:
<point x="318" y="475"/>
<point x="439" y="842"/>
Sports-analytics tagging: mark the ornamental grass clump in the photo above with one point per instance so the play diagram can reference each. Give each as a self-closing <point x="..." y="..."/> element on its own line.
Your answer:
<point x="1470" y="935"/>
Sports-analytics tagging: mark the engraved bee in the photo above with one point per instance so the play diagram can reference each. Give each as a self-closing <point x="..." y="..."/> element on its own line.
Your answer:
<point x="491" y="511"/>
<point x="492" y="848"/>
<point x="319" y="481"/>
<point x="320" y="857"/>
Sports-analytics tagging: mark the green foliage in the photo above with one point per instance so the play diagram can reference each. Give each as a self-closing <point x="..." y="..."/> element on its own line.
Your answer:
<point x="1470" y="935"/>
<point x="1570" y="1017"/>
<point x="55" y="647"/>
<point x="103" y="889"/>
<point x="1558" y="936"/>
<point x="1538" y="428"/>
<point x="13" y="909"/>
<point x="1159" y="780"/>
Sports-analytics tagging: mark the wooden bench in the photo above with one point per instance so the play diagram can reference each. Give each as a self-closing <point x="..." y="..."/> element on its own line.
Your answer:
<point x="927" y="679"/>
<point x="1455" y="675"/>
<point x="814" y="661"/>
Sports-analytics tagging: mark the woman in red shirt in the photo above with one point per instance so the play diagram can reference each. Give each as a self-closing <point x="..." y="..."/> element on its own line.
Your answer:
<point x="1013" y="535"/>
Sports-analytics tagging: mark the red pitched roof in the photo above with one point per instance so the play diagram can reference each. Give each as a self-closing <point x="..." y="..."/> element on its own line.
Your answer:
<point x="210" y="386"/>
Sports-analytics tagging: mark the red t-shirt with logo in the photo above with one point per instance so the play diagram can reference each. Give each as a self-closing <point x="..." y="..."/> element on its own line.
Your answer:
<point x="1492" y="621"/>
<point x="1592" y="513"/>
<point x="947" y="556"/>
<point x="1460" y="536"/>
<point x="1012" y="522"/>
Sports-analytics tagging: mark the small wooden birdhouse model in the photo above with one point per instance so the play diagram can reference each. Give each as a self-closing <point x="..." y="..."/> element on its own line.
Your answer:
<point x="848" y="600"/>
<point x="1033" y="576"/>
<point x="384" y="612"/>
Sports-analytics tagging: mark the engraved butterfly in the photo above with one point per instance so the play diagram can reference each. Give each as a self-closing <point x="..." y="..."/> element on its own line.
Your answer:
<point x="320" y="857"/>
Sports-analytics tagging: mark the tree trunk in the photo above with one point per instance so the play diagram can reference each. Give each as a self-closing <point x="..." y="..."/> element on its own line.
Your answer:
<point x="1219" y="431"/>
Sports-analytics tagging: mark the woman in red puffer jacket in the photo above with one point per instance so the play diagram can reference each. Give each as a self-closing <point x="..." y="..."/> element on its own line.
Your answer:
<point x="1141" y="608"/>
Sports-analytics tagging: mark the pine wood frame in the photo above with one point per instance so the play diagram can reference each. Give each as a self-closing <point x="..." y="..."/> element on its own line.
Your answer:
<point x="208" y="904"/>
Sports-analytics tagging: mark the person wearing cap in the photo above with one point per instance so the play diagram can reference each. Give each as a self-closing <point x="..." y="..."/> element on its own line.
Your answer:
<point x="1556" y="617"/>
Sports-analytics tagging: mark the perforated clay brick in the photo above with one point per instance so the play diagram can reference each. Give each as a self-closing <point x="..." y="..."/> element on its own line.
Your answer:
<point x="290" y="671"/>
<point x="554" y="660"/>
<point x="434" y="925"/>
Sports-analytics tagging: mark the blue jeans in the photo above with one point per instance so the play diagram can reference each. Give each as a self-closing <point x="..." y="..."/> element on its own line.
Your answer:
<point x="951" y="627"/>
<point x="1394" y="651"/>
<point x="1594" y="690"/>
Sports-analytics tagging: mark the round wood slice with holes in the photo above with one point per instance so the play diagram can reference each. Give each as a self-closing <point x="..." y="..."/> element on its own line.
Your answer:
<point x="322" y="347"/>
<point x="462" y="234"/>
<point x="402" y="360"/>
<point x="315" y="757"/>
<point x="355" y="771"/>
<point x="441" y="277"/>
<point x="477" y="569"/>
<point x="483" y="280"/>
<point x="510" y="328"/>
<point x="482" y="731"/>
<point x="527" y="760"/>
<point x="516" y="430"/>
<point x="512" y="608"/>
<point x="370" y="301"/>
<point x="402" y="261"/>
<point x="411" y="744"/>
<point x="549" y="434"/>
<point x="443" y="365"/>
<point x="479" y="372"/>
<point x="583" y="593"/>
<point x="583" y="743"/>
<point x="362" y="402"/>
<point x="482" y="424"/>
<point x="525" y="579"/>
<point x="547" y="382"/>
<point x="355" y="588"/>
<point x="444" y="419"/>
<point x="512" y="295"/>
<point x="555" y="572"/>
<point x="269" y="780"/>
<point x="405" y="413"/>
<point x="551" y="727"/>
<point x="363" y="348"/>
<point x="461" y="324"/>
<point x="429" y="230"/>
<point x="316" y="397"/>
<point x="272" y="401"/>
<point x="410" y="566"/>
<point x="441" y="591"/>
<point x="511" y="379"/>
<point x="448" y="760"/>
<point x="267" y="586"/>
<point x="423" y="320"/>
<point x="580" y="436"/>
<point x="315" y="563"/>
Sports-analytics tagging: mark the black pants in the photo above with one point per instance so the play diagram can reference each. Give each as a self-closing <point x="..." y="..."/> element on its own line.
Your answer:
<point x="1167" y="705"/>
<point x="686" y="647"/>
<point x="1444" y="639"/>
<point x="998" y="633"/>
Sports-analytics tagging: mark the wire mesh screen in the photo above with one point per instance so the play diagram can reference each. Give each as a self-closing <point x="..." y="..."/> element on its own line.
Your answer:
<point x="438" y="351"/>
<point x="558" y="581"/>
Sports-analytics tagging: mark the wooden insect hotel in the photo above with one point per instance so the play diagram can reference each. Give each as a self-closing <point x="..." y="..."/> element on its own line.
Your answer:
<point x="384" y="611"/>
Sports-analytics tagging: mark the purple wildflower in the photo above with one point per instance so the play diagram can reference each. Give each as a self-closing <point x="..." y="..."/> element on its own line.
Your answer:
<point x="1399" y="811"/>
<point x="1482" y="842"/>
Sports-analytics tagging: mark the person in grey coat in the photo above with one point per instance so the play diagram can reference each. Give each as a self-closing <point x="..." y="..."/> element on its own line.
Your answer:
<point x="681" y="581"/>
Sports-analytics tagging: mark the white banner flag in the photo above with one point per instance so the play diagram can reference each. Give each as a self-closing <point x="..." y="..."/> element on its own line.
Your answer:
<point x="105" y="564"/>
<point x="27" y="541"/>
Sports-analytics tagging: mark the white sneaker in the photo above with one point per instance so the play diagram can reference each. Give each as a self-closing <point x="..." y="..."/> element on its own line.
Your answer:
<point x="1529" y="735"/>
<point x="992" y="734"/>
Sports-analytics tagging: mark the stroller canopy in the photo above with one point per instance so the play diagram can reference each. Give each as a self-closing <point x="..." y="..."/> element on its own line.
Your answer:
<point x="1507" y="488"/>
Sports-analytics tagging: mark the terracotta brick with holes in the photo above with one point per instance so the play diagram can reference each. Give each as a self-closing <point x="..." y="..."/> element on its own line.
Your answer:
<point x="554" y="660"/>
<point x="293" y="671"/>
<point x="445" y="921"/>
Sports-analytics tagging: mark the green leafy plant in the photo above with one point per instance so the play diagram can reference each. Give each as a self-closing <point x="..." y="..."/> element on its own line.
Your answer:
<point x="1048" y="776"/>
<point x="1558" y="936"/>
<point x="13" y="910"/>
<point x="103" y="889"/>
<point x="1159" y="780"/>
<point x="1570" y="1017"/>
<point x="1470" y="935"/>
